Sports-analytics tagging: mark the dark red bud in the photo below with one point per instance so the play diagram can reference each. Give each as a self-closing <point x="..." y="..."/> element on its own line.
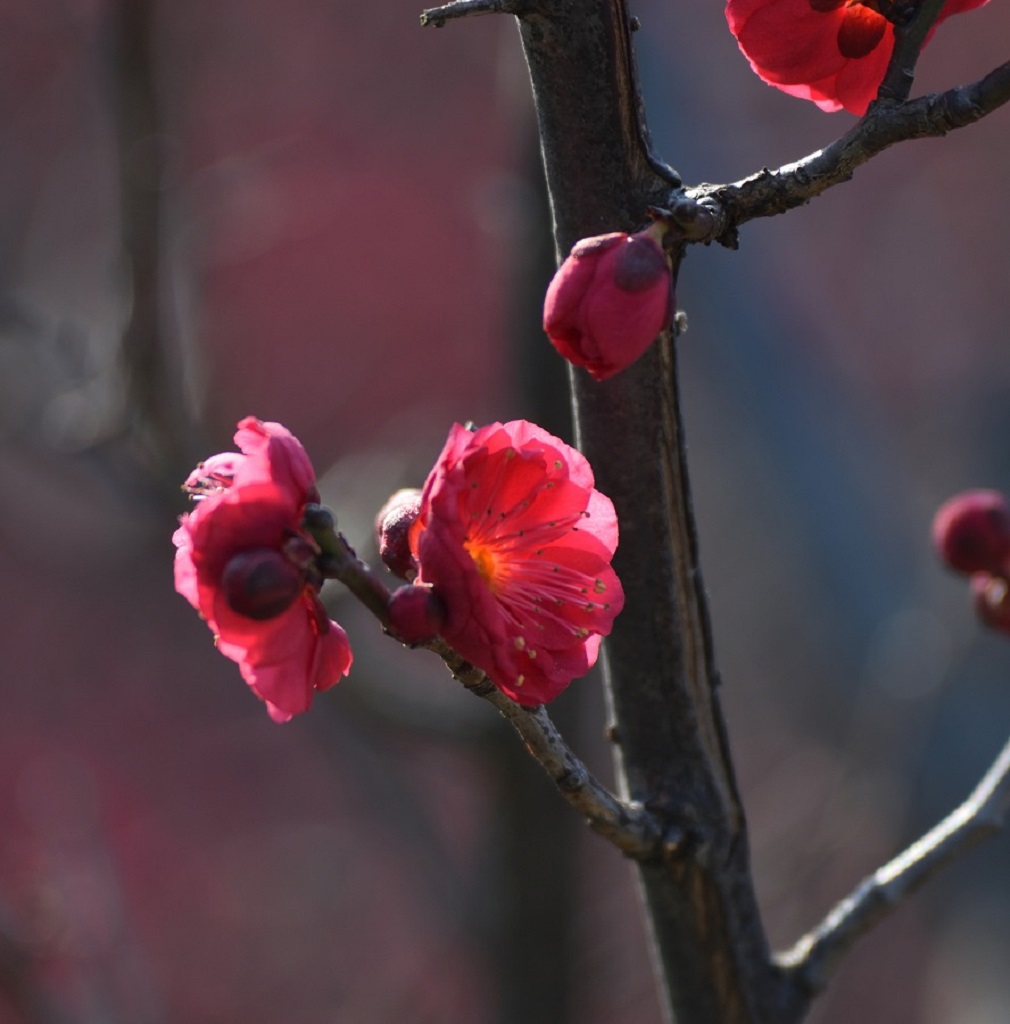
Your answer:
<point x="392" y="529"/>
<point x="991" y="596"/>
<point x="640" y="264"/>
<point x="416" y="614"/>
<point x="971" y="532"/>
<point x="261" y="583"/>
<point x="860" y="31"/>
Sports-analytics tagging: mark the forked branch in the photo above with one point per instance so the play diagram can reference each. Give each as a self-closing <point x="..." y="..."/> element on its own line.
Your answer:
<point x="767" y="192"/>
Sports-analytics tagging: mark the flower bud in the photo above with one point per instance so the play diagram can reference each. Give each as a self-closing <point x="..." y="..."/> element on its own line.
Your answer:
<point x="991" y="596"/>
<point x="416" y="614"/>
<point x="392" y="529"/>
<point x="609" y="300"/>
<point x="971" y="532"/>
<point x="261" y="583"/>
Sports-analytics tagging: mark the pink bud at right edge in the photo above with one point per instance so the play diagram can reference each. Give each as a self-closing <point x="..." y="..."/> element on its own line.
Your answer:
<point x="609" y="300"/>
<point x="392" y="530"/>
<point x="971" y="532"/>
<point x="991" y="597"/>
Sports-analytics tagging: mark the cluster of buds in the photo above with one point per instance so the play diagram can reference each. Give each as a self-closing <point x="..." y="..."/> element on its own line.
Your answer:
<point x="971" y="533"/>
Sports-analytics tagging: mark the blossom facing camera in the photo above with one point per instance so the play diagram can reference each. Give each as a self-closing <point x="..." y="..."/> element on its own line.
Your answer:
<point x="609" y="300"/>
<point x="971" y="532"/>
<point x="832" y="52"/>
<point x="517" y="542"/>
<point x="245" y="563"/>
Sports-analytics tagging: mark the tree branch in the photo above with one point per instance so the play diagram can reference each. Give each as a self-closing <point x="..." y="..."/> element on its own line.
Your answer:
<point x="628" y="825"/>
<point x="909" y="39"/>
<point x="815" y="958"/>
<point x="767" y="193"/>
<point x="669" y="734"/>
<point x="436" y="17"/>
<point x="155" y="408"/>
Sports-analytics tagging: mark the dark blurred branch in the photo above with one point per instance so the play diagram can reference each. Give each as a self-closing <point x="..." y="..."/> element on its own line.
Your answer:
<point x="20" y="986"/>
<point x="816" y="957"/>
<point x="768" y="193"/>
<point x="154" y="404"/>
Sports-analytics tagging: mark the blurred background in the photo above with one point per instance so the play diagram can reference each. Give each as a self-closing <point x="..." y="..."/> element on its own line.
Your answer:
<point x="318" y="213"/>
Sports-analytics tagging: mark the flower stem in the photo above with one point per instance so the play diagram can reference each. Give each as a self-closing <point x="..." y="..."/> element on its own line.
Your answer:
<point x="339" y="561"/>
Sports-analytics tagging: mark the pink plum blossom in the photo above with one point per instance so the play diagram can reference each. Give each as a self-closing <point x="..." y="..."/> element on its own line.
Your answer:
<point x="245" y="563"/>
<point x="517" y="542"/>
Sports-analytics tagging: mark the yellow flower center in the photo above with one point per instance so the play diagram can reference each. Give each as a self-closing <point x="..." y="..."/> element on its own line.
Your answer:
<point x="484" y="559"/>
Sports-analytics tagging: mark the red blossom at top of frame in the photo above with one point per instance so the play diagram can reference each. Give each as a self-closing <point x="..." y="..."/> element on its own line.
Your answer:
<point x="517" y="542"/>
<point x="832" y="52"/>
<point x="242" y="560"/>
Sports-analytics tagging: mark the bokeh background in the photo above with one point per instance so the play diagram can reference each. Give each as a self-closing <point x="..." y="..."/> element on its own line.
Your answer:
<point x="316" y="212"/>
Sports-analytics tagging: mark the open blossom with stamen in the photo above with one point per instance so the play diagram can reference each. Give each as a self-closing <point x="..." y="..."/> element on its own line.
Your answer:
<point x="517" y="542"/>
<point x="247" y="566"/>
<point x="833" y="52"/>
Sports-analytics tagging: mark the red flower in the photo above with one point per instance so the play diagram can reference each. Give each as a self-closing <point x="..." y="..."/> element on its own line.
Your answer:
<point x="517" y="542"/>
<point x="609" y="300"/>
<point x="971" y="532"/>
<point x="244" y="562"/>
<point x="833" y="52"/>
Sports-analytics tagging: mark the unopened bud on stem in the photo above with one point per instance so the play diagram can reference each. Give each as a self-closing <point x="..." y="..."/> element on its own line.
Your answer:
<point x="416" y="614"/>
<point x="392" y="530"/>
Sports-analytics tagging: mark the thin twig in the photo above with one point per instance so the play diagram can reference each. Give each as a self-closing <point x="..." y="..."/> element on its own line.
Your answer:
<point x="772" y="192"/>
<point x="816" y="957"/>
<point x="438" y="16"/>
<point x="628" y="825"/>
